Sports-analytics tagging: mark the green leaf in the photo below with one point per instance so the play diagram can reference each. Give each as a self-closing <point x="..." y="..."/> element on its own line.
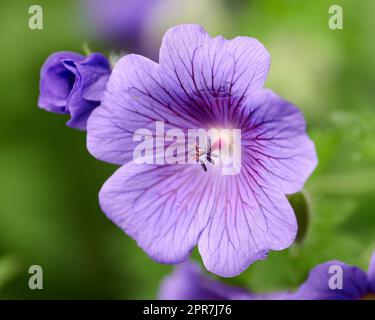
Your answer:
<point x="300" y="204"/>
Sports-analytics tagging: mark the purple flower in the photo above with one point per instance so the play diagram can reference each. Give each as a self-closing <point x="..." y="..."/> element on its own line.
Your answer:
<point x="202" y="82"/>
<point x="73" y="84"/>
<point x="335" y="280"/>
<point x="188" y="282"/>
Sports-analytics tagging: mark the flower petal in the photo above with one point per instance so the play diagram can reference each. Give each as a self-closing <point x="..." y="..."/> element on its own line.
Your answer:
<point x="163" y="207"/>
<point x="275" y="142"/>
<point x="317" y="285"/>
<point x="136" y="97"/>
<point x="202" y="65"/>
<point x="249" y="219"/>
<point x="95" y="71"/>
<point x="56" y="81"/>
<point x="91" y="77"/>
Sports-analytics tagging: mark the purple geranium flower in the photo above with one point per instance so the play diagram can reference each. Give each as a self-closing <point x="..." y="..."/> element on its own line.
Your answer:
<point x="188" y="282"/>
<point x="73" y="84"/>
<point x="202" y="82"/>
<point x="324" y="282"/>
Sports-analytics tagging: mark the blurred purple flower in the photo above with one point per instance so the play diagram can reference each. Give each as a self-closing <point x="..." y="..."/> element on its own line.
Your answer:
<point x="119" y="22"/>
<point x="73" y="84"/>
<point x="356" y="284"/>
<point x="202" y="82"/>
<point x="188" y="282"/>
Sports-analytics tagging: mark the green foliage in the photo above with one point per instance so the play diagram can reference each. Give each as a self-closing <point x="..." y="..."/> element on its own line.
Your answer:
<point x="9" y="268"/>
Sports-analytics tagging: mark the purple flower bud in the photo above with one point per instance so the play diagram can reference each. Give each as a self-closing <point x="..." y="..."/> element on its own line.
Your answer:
<point x="73" y="84"/>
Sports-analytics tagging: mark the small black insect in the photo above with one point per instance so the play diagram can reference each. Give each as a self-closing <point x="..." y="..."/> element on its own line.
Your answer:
<point x="201" y="155"/>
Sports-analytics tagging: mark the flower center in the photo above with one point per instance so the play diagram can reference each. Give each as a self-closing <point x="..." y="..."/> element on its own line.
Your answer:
<point x="219" y="147"/>
<point x="204" y="156"/>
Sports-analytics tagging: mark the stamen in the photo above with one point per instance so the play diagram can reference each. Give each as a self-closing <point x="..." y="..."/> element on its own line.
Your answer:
<point x="204" y="156"/>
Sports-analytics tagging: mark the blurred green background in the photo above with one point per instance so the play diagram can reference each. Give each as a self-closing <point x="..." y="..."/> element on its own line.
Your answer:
<point x="49" y="213"/>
